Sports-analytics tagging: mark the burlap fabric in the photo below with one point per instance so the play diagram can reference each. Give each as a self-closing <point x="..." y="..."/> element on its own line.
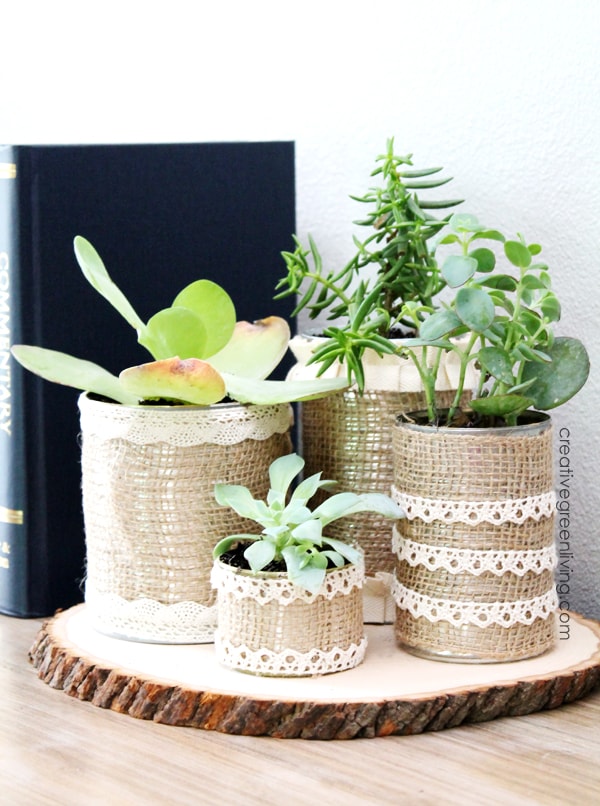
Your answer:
<point x="272" y="628"/>
<point x="461" y="465"/>
<point x="349" y="438"/>
<point x="151" y="520"/>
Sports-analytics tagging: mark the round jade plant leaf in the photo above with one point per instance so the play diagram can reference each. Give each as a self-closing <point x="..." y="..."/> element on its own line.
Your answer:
<point x="255" y="348"/>
<point x="475" y="308"/>
<point x="464" y="222"/>
<point x="550" y="307"/>
<point x="187" y="381"/>
<point x="560" y="379"/>
<point x="438" y="325"/>
<point x="497" y="362"/>
<point x="175" y="331"/>
<point x="486" y="259"/>
<point x="214" y="306"/>
<point x="501" y="405"/>
<point x="457" y="269"/>
<point x="518" y="254"/>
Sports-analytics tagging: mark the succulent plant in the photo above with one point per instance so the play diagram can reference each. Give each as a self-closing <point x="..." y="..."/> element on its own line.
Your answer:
<point x="504" y="313"/>
<point x="201" y="354"/>
<point x="293" y="534"/>
<point x="403" y="277"/>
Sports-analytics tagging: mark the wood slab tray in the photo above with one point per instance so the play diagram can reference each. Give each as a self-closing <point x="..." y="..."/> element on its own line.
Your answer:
<point x="391" y="692"/>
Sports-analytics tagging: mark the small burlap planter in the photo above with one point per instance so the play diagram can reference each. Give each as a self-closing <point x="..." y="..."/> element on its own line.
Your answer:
<point x="348" y="436"/>
<point x="151" y="519"/>
<point x="475" y="556"/>
<point x="270" y="627"/>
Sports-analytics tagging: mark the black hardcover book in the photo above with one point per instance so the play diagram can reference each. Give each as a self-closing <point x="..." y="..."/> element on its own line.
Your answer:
<point x="160" y="216"/>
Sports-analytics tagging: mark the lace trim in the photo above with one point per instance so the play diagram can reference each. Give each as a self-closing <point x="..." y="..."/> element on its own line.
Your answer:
<point x="152" y="621"/>
<point x="479" y="614"/>
<point x="511" y="510"/>
<point x="223" y="424"/>
<point x="290" y="662"/>
<point x="275" y="588"/>
<point x="473" y="561"/>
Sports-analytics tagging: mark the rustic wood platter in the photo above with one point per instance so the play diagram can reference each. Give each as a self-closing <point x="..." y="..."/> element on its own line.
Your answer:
<point x="391" y="692"/>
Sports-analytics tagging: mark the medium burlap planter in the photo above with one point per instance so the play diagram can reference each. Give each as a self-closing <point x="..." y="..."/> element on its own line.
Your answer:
<point x="348" y="436"/>
<point x="475" y="555"/>
<point x="151" y="519"/>
<point x="270" y="627"/>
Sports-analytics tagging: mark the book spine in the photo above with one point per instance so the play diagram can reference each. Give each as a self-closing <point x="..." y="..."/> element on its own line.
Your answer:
<point x="14" y="582"/>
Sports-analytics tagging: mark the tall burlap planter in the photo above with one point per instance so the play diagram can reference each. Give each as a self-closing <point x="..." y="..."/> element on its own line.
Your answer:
<point x="475" y="554"/>
<point x="151" y="520"/>
<point x="348" y="436"/>
<point x="270" y="627"/>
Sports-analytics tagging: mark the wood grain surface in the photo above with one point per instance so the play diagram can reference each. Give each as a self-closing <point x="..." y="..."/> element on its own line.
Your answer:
<point x="59" y="750"/>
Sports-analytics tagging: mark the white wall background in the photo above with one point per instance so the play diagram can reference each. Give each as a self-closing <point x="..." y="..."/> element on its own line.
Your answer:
<point x="504" y="93"/>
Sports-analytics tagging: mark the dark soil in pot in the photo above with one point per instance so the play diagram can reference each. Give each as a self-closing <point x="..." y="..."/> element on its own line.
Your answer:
<point x="466" y="418"/>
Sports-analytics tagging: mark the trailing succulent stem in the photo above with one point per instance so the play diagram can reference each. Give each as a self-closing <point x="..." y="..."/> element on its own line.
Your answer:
<point x="368" y="311"/>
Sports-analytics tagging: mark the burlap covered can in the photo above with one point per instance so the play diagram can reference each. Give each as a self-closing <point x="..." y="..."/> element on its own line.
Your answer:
<point x="348" y="436"/>
<point x="475" y="555"/>
<point x="271" y="627"/>
<point x="151" y="520"/>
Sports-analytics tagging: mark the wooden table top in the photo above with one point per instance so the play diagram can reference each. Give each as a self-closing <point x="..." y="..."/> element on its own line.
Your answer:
<point x="59" y="750"/>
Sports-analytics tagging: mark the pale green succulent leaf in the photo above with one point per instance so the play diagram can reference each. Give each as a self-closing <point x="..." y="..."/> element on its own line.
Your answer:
<point x="255" y="349"/>
<point x="350" y="553"/>
<point x="439" y="324"/>
<point x="457" y="269"/>
<point x="295" y="512"/>
<point x="311" y="530"/>
<point x="342" y="504"/>
<point x="95" y="273"/>
<point x="284" y="470"/>
<point x="475" y="308"/>
<point x="175" y="331"/>
<point x="335" y="558"/>
<point x="188" y="381"/>
<point x="70" y="371"/>
<point x="264" y="393"/>
<point x="308" y="576"/>
<point x="240" y="499"/>
<point x="309" y="486"/>
<point x="213" y="305"/>
<point x="230" y="541"/>
<point x="464" y="222"/>
<point x="260" y="553"/>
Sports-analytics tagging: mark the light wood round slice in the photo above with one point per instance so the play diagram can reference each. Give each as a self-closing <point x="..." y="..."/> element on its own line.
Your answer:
<point x="391" y="692"/>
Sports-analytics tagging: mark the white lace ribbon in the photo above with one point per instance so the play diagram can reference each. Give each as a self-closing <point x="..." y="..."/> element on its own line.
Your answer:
<point x="152" y="621"/>
<point x="273" y="588"/>
<point x="183" y="426"/>
<point x="473" y="561"/>
<point x="510" y="510"/>
<point x="479" y="614"/>
<point x="289" y="662"/>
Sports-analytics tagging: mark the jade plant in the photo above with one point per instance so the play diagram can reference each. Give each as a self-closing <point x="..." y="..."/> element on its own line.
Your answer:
<point x="201" y="355"/>
<point x="292" y="537"/>
<point x="391" y="280"/>
<point x="505" y="313"/>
